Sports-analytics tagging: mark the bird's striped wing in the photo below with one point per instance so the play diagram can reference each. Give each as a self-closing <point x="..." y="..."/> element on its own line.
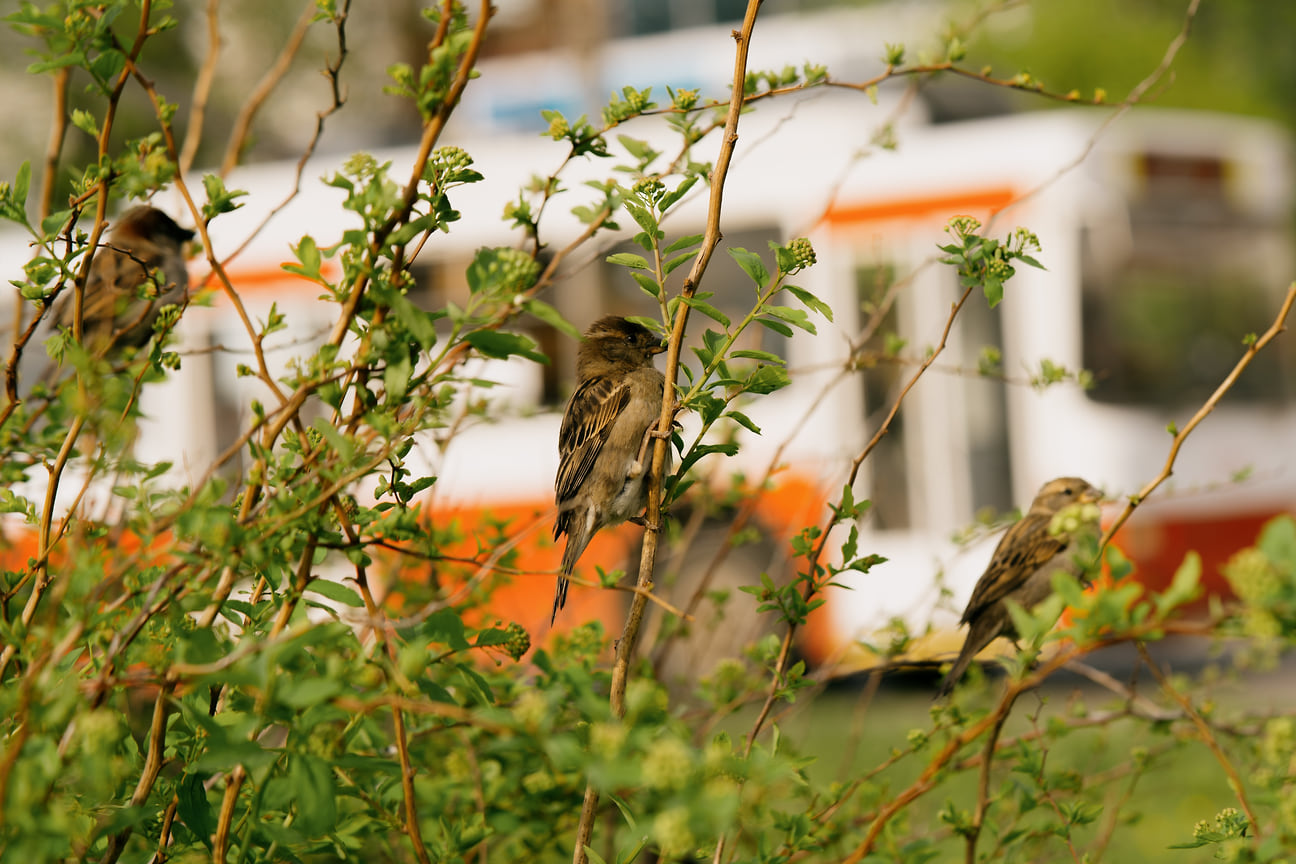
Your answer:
<point x="587" y="423"/>
<point x="1026" y="547"/>
<point x="114" y="279"/>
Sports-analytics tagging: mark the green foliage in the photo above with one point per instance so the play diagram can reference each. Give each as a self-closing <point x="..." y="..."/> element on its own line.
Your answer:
<point x="986" y="263"/>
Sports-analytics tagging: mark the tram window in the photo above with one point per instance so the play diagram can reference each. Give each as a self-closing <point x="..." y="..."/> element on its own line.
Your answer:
<point x="1166" y="326"/>
<point x="881" y="376"/>
<point x="986" y="404"/>
<point x="654" y="16"/>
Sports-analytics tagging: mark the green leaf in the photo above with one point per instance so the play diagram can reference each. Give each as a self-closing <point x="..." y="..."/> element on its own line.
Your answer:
<point x="303" y="692"/>
<point x="489" y="638"/>
<point x="551" y="316"/>
<point x="335" y="439"/>
<point x="767" y="379"/>
<point x="993" y="289"/>
<point x="194" y="809"/>
<point x="629" y="259"/>
<point x="751" y="264"/>
<point x="708" y="407"/>
<point x="743" y="420"/>
<point x="446" y="627"/>
<point x="1278" y="543"/>
<point x="647" y="284"/>
<point x="500" y="345"/>
<point x="668" y="200"/>
<point x="54" y="222"/>
<point x="219" y="199"/>
<point x="637" y="148"/>
<point x="762" y="356"/>
<point x="22" y="183"/>
<point x="477" y="683"/>
<point x="707" y="309"/>
<point x="683" y="243"/>
<point x="795" y="317"/>
<point x="86" y="122"/>
<point x="671" y="264"/>
<point x="703" y="450"/>
<point x="315" y="794"/>
<point x="309" y="255"/>
<point x="396" y="375"/>
<point x="777" y="326"/>
<point x="643" y="218"/>
<point x="419" y="323"/>
<point x="1184" y="587"/>
<point x="337" y="592"/>
<point x="810" y="301"/>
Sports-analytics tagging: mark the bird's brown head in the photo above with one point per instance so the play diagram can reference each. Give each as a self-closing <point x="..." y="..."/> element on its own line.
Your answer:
<point x="614" y="342"/>
<point x="151" y="223"/>
<point x="1063" y="492"/>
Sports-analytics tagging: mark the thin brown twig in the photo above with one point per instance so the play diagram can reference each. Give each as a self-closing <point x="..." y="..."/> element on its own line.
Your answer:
<point x="269" y="81"/>
<point x="154" y="757"/>
<point x="983" y="784"/>
<point x="42" y="577"/>
<point x="202" y="90"/>
<point x="1207" y="736"/>
<point x="58" y="134"/>
<point x="332" y="71"/>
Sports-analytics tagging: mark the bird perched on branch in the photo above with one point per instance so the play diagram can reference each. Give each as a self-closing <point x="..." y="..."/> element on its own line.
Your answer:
<point x="603" y="442"/>
<point x="1023" y="566"/>
<point x="138" y="270"/>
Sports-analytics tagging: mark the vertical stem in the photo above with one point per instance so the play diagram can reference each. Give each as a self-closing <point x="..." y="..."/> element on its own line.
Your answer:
<point x="711" y="238"/>
<point x="983" y="782"/>
<point x="202" y="89"/>
<point x="58" y="133"/>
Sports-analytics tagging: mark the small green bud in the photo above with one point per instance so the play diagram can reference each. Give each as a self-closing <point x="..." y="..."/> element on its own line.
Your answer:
<point x="803" y="254"/>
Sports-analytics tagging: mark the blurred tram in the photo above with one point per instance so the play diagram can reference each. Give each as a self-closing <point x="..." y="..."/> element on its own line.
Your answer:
<point x="1166" y="237"/>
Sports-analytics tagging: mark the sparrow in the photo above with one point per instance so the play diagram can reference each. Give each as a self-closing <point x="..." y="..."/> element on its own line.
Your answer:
<point x="603" y="441"/>
<point x="1022" y="569"/>
<point x="140" y="269"/>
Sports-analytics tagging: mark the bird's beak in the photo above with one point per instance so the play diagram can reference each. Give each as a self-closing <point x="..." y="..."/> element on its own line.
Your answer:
<point x="657" y="349"/>
<point x="1092" y="496"/>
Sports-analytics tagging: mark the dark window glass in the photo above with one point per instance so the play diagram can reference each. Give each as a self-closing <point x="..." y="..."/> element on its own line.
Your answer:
<point x="881" y="376"/>
<point x="1165" y="314"/>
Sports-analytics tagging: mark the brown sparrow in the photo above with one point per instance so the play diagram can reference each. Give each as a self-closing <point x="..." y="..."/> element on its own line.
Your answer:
<point x="1022" y="569"/>
<point x="144" y="250"/>
<point x="602" y="445"/>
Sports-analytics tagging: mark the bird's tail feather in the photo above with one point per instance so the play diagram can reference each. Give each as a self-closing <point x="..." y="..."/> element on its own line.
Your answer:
<point x="983" y="630"/>
<point x="956" y="671"/>
<point x="576" y="543"/>
<point x="560" y="599"/>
